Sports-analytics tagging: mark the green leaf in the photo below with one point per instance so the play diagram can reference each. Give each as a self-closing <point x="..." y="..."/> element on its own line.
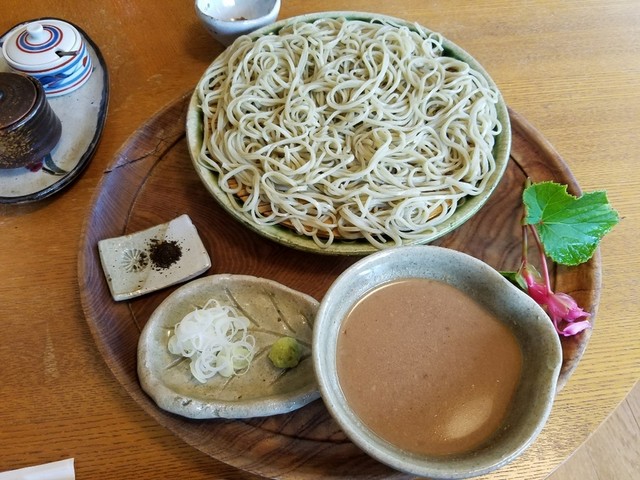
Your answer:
<point x="570" y="228"/>
<point x="515" y="278"/>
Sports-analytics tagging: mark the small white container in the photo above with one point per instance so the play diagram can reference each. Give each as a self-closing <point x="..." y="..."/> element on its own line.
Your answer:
<point x="52" y="51"/>
<point x="226" y="20"/>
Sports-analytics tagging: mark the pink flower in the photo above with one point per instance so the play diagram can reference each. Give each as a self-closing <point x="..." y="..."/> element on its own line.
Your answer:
<point x="568" y="318"/>
<point x="566" y="315"/>
<point x="535" y="286"/>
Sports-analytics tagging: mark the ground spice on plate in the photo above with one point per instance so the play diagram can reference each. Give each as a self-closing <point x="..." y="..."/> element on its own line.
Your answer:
<point x="164" y="253"/>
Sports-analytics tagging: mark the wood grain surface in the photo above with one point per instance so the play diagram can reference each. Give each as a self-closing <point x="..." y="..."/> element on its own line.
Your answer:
<point x="152" y="181"/>
<point x="569" y="68"/>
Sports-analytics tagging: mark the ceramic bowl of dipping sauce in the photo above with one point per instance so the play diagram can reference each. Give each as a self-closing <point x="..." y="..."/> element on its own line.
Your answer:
<point x="226" y="20"/>
<point x="433" y="363"/>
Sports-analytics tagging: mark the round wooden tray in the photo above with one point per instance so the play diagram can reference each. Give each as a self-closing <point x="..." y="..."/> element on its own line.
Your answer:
<point x="152" y="181"/>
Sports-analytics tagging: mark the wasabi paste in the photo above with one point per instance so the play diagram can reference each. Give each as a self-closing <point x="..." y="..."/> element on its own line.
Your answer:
<point x="285" y="353"/>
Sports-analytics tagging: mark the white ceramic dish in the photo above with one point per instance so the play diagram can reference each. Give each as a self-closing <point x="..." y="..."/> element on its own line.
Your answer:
<point x="83" y="114"/>
<point x="289" y="237"/>
<point x="129" y="265"/>
<point x="274" y="311"/>
<point x="51" y="50"/>
<point x="227" y="20"/>
<point x="542" y="355"/>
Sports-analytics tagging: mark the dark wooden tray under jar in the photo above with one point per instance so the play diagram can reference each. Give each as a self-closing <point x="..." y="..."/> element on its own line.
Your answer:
<point x="152" y="181"/>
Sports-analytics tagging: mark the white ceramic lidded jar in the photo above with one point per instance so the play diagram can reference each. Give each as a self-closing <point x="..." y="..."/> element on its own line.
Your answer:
<point x="53" y="52"/>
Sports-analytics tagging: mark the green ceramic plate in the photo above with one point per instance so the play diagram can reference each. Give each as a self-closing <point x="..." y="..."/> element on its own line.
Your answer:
<point x="289" y="237"/>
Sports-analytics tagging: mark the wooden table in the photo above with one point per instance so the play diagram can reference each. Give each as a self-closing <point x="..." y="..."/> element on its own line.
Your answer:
<point x="571" y="68"/>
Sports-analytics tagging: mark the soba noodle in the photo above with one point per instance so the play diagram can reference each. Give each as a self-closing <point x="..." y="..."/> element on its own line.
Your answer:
<point x="347" y="129"/>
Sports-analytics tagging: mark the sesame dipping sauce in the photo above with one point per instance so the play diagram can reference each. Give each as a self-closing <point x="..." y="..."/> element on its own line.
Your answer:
<point x="427" y="368"/>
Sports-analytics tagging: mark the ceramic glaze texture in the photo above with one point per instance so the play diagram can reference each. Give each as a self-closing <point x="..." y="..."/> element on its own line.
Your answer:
<point x="273" y="310"/>
<point x="227" y="20"/>
<point x="82" y="114"/>
<point x="52" y="51"/>
<point x="541" y="355"/>
<point x="155" y="258"/>
<point x="29" y="128"/>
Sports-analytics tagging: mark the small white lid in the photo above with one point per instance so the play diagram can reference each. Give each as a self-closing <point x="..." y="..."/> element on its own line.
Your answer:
<point x="40" y="44"/>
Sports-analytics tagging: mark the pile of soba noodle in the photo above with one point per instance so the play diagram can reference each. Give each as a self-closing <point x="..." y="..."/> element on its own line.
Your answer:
<point x="347" y="129"/>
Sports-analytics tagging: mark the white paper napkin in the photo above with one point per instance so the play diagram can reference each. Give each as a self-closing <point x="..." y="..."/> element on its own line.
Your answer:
<point x="62" y="470"/>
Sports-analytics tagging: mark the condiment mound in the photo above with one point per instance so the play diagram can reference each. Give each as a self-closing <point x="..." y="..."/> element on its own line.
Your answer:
<point x="273" y="310"/>
<point x="154" y="258"/>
